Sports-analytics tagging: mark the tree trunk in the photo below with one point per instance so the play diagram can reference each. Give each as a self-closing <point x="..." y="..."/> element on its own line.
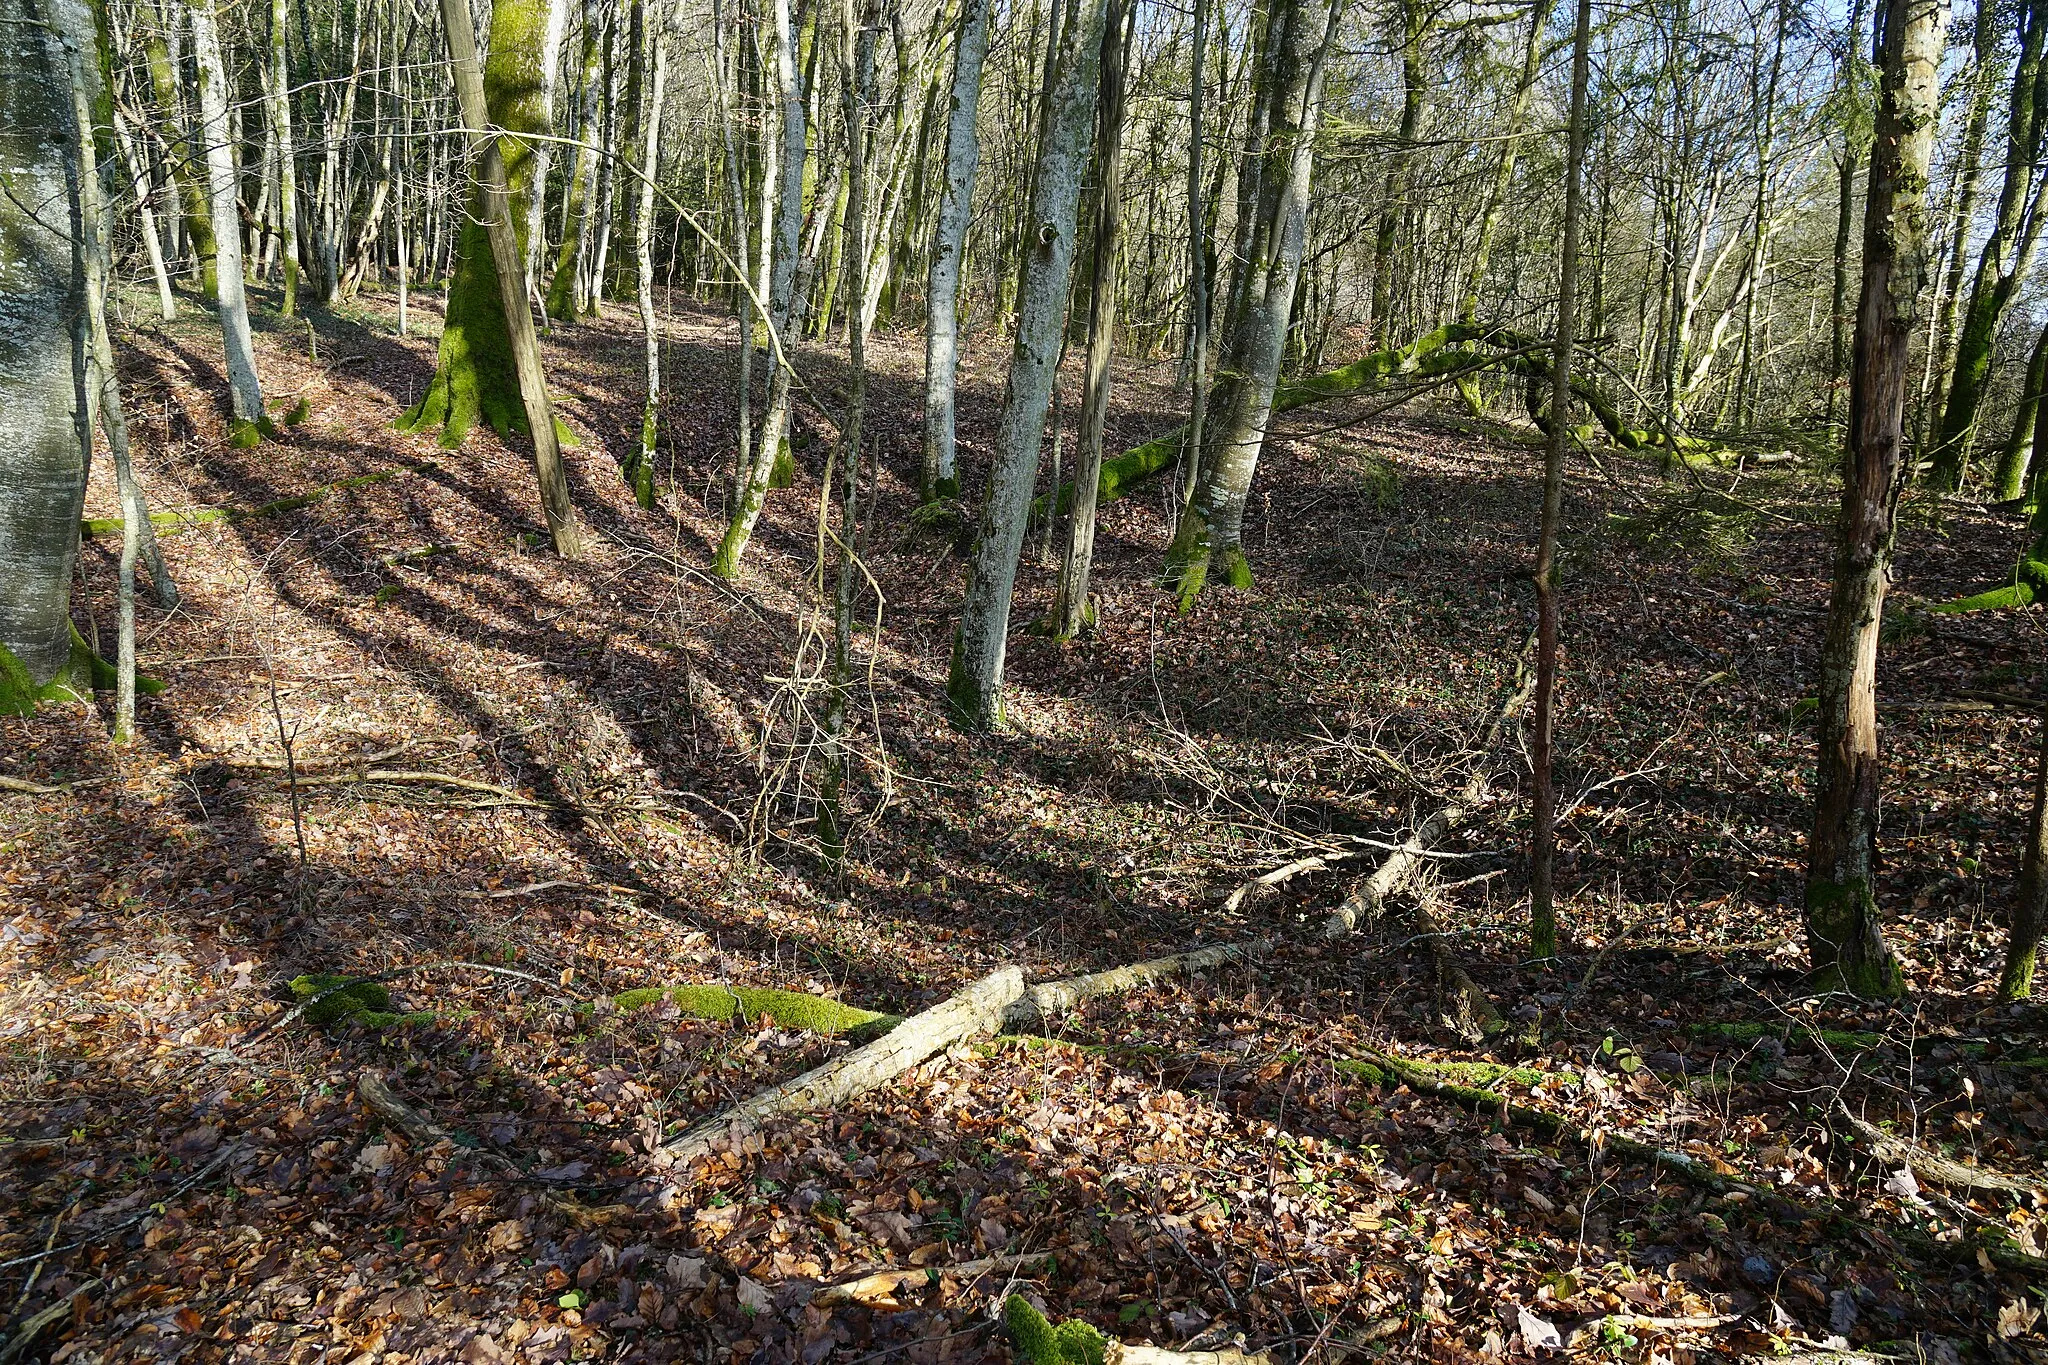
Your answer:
<point x="137" y="172"/>
<point x="1504" y="168"/>
<point x="974" y="687"/>
<point x="2030" y="911"/>
<point x="2018" y="456"/>
<point x="44" y="422"/>
<point x="939" y="473"/>
<point x="1844" y="938"/>
<point x="155" y="23"/>
<point x="1198" y="245"/>
<point x="1209" y="542"/>
<point x="244" y="388"/>
<point x="1941" y="351"/>
<point x="2008" y="253"/>
<point x="758" y="475"/>
<point x="562" y="293"/>
<point x="1071" y="613"/>
<point x="1543" y="805"/>
<point x="640" y="468"/>
<point x="279" y="105"/>
<point x="477" y="374"/>
<point x="857" y="62"/>
<point x="496" y="221"/>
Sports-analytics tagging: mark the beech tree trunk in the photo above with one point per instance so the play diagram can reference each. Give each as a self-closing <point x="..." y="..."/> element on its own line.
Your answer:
<point x="497" y="222"/>
<point x="974" y="686"/>
<point x="245" y="390"/>
<point x="1209" y="541"/>
<point x="44" y="421"/>
<point x="1844" y="938"/>
<point x="1071" y="613"/>
<point x="939" y="472"/>
<point x="2030" y="911"/>
<point x="563" y="295"/>
<point x="476" y="376"/>
<point x="640" y="469"/>
<point x="2018" y="457"/>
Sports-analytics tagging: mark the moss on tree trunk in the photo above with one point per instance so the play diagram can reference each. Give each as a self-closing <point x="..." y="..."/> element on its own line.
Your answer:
<point x="474" y="377"/>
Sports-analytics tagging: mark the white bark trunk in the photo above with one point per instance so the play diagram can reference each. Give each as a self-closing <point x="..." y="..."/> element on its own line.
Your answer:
<point x="942" y="306"/>
<point x="245" y="389"/>
<point x="975" y="687"/>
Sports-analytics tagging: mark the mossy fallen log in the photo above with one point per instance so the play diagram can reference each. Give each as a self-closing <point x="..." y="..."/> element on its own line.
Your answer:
<point x="2029" y="585"/>
<point x="746" y="1004"/>
<point x="170" y="523"/>
<point x="1456" y="348"/>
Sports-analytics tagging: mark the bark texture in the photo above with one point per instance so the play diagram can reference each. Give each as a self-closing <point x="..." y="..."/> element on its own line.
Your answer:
<point x="44" y="422"/>
<point x="1844" y="939"/>
<point x="974" y="687"/>
<point x="1209" y="542"/>
<point x="940" y="473"/>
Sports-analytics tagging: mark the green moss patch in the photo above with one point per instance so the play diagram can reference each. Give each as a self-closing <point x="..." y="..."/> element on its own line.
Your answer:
<point x="360" y="998"/>
<point x="746" y="1004"/>
<point x="1070" y="1343"/>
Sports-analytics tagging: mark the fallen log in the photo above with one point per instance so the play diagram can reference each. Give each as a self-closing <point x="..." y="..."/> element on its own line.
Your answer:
<point x="887" y="1284"/>
<point x="1930" y="1166"/>
<point x="978" y="1009"/>
<point x="1367" y="896"/>
<point x="170" y="523"/>
<point x="1039" y="1004"/>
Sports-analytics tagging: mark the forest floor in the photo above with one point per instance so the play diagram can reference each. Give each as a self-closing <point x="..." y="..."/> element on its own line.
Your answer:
<point x="1207" y="1160"/>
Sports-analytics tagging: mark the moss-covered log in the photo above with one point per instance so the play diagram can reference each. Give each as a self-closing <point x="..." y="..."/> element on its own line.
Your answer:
<point x="1453" y="349"/>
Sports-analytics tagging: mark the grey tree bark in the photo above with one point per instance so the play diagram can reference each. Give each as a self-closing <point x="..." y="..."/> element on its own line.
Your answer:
<point x="641" y="475"/>
<point x="44" y="416"/>
<point x="1070" y="610"/>
<point x="974" y="686"/>
<point x="1209" y="541"/>
<point x="245" y="389"/>
<point x="939" y="475"/>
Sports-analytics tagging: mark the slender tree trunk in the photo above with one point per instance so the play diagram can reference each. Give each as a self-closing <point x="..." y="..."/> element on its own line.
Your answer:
<point x="640" y="471"/>
<point x="1941" y="352"/>
<point x="939" y="473"/>
<point x="498" y="225"/>
<point x="2008" y="253"/>
<point x="857" y="64"/>
<point x="244" y="388"/>
<point x="759" y="475"/>
<point x="156" y="24"/>
<point x="1504" y="168"/>
<point x="279" y="105"/>
<point x="562" y="293"/>
<point x="1542" y="761"/>
<point x="1198" y="255"/>
<point x="1209" y="542"/>
<point x="1842" y="927"/>
<point x="1071" y="613"/>
<point x="138" y="176"/>
<point x="974" y="686"/>
<point x="742" y="233"/>
<point x="2018" y="456"/>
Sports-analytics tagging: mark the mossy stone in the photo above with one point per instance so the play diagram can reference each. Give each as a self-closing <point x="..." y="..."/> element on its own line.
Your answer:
<point x="356" y="999"/>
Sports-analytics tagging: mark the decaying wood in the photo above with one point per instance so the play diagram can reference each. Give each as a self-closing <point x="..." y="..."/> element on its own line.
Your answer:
<point x="978" y="1009"/>
<point x="1263" y="885"/>
<point x="1120" y="1354"/>
<point x="432" y="779"/>
<point x="887" y="1284"/>
<point x="1365" y="899"/>
<point x="35" y="1325"/>
<point x="420" y="1130"/>
<point x="1930" y="1166"/>
<point x="1052" y="999"/>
